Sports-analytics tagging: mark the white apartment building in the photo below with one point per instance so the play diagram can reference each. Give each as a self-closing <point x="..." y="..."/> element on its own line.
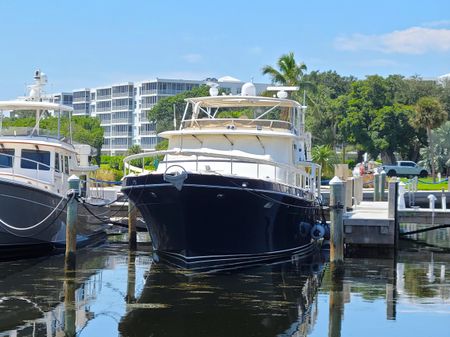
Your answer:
<point x="123" y="108"/>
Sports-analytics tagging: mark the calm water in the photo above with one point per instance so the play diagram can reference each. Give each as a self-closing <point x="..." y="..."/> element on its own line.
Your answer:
<point x="115" y="293"/>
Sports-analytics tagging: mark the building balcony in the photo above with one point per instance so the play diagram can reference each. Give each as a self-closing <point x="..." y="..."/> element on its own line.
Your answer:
<point x="122" y="94"/>
<point x="149" y="92"/>
<point x="121" y="134"/>
<point x="122" y="120"/>
<point x="104" y="97"/>
<point x="81" y="100"/>
<point x="122" y="108"/>
<point x="119" y="146"/>
<point x="147" y="132"/>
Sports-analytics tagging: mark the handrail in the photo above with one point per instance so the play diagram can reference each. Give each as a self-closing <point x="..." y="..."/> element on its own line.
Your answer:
<point x="306" y="179"/>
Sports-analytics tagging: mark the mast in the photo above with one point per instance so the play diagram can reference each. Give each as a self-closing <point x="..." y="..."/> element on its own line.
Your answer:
<point x="36" y="90"/>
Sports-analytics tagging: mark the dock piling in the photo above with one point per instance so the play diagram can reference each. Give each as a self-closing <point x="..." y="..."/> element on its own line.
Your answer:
<point x="376" y="186"/>
<point x="393" y="202"/>
<point x="337" y="201"/>
<point x="132" y="217"/>
<point x="71" y="234"/>
<point x="382" y="185"/>
<point x="432" y="199"/>
<point x="443" y="200"/>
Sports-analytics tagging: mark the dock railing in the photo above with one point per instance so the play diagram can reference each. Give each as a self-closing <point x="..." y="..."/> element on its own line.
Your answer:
<point x="306" y="175"/>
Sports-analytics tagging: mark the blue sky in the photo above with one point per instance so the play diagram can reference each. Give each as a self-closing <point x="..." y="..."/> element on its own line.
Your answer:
<point x="93" y="43"/>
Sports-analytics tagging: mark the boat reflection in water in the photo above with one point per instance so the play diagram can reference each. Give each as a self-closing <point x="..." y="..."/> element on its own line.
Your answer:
<point x="269" y="300"/>
<point x="37" y="298"/>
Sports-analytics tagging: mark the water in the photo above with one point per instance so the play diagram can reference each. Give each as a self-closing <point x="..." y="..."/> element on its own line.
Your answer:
<point x="117" y="293"/>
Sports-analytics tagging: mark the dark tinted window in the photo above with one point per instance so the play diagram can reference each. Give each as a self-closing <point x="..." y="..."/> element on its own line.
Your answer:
<point x="57" y="162"/>
<point x="66" y="164"/>
<point x="6" y="158"/>
<point x="31" y="158"/>
<point x="407" y="164"/>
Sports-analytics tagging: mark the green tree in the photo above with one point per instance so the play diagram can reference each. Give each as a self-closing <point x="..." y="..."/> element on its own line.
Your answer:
<point x="325" y="156"/>
<point x="391" y="131"/>
<point x="134" y="149"/>
<point x="162" y="113"/>
<point x="290" y="72"/>
<point x="85" y="129"/>
<point x="429" y="114"/>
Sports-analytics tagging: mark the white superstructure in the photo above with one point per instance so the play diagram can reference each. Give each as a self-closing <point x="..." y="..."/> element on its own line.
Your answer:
<point x="123" y="108"/>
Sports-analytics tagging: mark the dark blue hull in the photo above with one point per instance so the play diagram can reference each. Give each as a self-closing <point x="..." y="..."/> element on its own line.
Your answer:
<point x="220" y="221"/>
<point x="33" y="221"/>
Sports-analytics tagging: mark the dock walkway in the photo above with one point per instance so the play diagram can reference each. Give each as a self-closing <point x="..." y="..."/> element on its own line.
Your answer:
<point x="369" y="224"/>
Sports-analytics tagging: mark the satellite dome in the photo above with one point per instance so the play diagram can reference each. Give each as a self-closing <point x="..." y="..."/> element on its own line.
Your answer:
<point x="248" y="89"/>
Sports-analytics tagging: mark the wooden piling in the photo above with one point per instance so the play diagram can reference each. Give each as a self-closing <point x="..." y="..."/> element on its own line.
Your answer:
<point x="382" y="185"/>
<point x="132" y="218"/>
<point x="376" y="186"/>
<point x="336" y="300"/>
<point x="71" y="220"/>
<point x="131" y="278"/>
<point x="69" y="305"/>
<point x="337" y="200"/>
<point x="393" y="208"/>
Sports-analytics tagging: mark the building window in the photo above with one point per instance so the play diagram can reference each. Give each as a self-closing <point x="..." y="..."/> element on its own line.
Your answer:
<point x="103" y="106"/>
<point x="104" y="93"/>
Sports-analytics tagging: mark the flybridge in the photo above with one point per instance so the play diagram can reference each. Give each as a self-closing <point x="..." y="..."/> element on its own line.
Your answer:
<point x="272" y="112"/>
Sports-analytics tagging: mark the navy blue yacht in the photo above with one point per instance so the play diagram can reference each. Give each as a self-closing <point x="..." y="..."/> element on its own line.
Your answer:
<point x="236" y="185"/>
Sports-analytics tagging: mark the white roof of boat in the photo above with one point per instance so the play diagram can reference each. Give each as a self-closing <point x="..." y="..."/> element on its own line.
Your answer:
<point x="32" y="105"/>
<point x="241" y="101"/>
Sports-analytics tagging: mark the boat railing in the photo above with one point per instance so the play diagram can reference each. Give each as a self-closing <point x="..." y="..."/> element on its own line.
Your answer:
<point x="237" y="123"/>
<point x="305" y="175"/>
<point x="29" y="132"/>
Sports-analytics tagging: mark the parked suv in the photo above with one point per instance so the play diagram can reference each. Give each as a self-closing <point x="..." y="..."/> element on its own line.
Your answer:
<point x="405" y="169"/>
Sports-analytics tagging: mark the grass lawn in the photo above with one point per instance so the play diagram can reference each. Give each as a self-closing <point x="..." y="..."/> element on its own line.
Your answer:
<point x="426" y="184"/>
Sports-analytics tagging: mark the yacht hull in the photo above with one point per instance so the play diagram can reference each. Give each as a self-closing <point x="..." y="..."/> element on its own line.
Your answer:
<point x="33" y="221"/>
<point x="215" y="220"/>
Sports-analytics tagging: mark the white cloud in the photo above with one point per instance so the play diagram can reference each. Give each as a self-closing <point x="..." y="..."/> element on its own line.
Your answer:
<point x="414" y="40"/>
<point x="192" y="58"/>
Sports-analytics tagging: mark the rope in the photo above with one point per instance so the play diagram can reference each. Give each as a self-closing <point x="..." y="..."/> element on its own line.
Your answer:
<point x="40" y="222"/>
<point x="102" y="220"/>
<point x="436" y="183"/>
<point x="107" y="181"/>
<point x="424" y="230"/>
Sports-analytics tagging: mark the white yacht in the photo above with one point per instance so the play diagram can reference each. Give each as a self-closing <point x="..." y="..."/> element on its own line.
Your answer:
<point x="34" y="169"/>
<point x="231" y="190"/>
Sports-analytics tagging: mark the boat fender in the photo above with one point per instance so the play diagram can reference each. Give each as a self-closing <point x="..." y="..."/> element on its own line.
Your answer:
<point x="176" y="178"/>
<point x="318" y="231"/>
<point x="305" y="228"/>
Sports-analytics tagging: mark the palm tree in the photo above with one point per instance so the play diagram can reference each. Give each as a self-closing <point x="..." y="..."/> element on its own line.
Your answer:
<point x="290" y="73"/>
<point x="325" y="157"/>
<point x="429" y="115"/>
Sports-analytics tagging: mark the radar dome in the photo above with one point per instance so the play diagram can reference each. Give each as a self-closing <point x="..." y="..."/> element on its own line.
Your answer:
<point x="248" y="89"/>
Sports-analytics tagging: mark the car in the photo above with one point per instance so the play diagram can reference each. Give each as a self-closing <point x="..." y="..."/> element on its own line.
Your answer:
<point x="404" y="168"/>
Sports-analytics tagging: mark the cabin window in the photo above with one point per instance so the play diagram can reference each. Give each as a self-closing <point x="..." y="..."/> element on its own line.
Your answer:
<point x="66" y="164"/>
<point x="6" y="158"/>
<point x="57" y="167"/>
<point x="32" y="158"/>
